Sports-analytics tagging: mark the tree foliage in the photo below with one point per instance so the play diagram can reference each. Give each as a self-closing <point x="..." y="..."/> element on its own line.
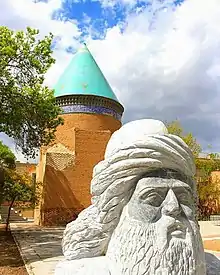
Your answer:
<point x="28" y="112"/>
<point x="209" y="193"/>
<point x="175" y="128"/>
<point x="208" y="187"/>
<point x="18" y="187"/>
<point x="207" y="166"/>
<point x="7" y="160"/>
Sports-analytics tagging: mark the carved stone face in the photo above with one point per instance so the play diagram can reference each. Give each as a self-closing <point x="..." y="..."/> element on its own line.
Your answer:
<point x="157" y="231"/>
<point x="169" y="199"/>
<point x="168" y="204"/>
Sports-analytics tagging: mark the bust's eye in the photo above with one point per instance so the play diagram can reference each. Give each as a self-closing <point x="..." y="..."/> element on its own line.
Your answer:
<point x="152" y="198"/>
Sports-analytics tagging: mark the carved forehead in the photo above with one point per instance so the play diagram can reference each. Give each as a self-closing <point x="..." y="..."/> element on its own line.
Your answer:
<point x="152" y="183"/>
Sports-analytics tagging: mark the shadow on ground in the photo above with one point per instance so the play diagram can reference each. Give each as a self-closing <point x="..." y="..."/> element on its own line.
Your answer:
<point x="39" y="244"/>
<point x="9" y="254"/>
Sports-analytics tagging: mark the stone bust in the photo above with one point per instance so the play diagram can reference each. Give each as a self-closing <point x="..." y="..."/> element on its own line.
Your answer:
<point x="142" y="219"/>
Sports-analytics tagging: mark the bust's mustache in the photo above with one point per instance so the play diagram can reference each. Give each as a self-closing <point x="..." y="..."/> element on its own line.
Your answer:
<point x="177" y="226"/>
<point x="168" y="228"/>
<point x="172" y="224"/>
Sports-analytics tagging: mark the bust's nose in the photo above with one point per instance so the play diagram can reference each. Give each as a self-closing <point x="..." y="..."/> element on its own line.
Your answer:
<point x="171" y="205"/>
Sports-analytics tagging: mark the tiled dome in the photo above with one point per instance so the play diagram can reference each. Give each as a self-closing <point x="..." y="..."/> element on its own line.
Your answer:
<point x="82" y="88"/>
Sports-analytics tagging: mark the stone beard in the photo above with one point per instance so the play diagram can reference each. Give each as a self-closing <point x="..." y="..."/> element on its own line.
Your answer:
<point x="162" y="239"/>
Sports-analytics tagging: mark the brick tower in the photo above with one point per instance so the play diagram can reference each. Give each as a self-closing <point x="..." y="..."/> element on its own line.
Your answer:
<point x="91" y="114"/>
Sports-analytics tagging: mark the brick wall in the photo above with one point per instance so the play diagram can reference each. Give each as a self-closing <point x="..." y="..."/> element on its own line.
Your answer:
<point x="67" y="191"/>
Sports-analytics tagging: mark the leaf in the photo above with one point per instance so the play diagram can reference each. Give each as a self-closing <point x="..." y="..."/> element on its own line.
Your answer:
<point x="28" y="109"/>
<point x="208" y="188"/>
<point x="175" y="128"/>
<point x="7" y="158"/>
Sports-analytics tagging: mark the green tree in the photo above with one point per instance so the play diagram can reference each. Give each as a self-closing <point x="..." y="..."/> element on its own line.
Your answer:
<point x="18" y="188"/>
<point x="28" y="112"/>
<point x="175" y="128"/>
<point x="208" y="188"/>
<point x="7" y="160"/>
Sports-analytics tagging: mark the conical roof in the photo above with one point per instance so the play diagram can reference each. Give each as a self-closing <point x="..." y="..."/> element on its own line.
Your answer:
<point x="83" y="77"/>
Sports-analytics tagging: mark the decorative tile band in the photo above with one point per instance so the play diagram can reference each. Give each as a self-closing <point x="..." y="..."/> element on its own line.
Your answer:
<point x="90" y="100"/>
<point x="91" y="110"/>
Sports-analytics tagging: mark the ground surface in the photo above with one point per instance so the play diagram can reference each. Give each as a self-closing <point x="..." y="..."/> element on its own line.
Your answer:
<point x="211" y="235"/>
<point x="40" y="247"/>
<point x="212" y="245"/>
<point x="10" y="260"/>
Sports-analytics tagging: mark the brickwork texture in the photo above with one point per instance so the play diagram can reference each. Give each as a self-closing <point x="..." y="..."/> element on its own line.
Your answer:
<point x="66" y="167"/>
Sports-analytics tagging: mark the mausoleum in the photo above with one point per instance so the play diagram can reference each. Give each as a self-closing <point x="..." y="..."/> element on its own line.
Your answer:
<point x="91" y="113"/>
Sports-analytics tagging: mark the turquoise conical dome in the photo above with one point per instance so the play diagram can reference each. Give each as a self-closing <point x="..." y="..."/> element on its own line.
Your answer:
<point x="82" y="88"/>
<point x="83" y="77"/>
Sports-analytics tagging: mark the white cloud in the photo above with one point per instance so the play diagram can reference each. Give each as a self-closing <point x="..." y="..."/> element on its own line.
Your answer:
<point x="164" y="64"/>
<point x="22" y="13"/>
<point x="170" y="70"/>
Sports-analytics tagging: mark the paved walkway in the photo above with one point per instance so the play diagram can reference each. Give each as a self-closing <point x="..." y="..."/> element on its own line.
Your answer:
<point x="208" y="229"/>
<point x="40" y="247"/>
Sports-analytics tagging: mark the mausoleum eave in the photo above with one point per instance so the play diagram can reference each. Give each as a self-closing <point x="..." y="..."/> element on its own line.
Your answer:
<point x="81" y="103"/>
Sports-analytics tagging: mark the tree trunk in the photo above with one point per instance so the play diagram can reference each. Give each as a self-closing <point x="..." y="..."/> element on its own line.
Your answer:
<point x="1" y="184"/>
<point x="9" y="213"/>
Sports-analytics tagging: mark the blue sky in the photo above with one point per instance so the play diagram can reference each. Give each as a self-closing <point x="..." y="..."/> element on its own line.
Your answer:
<point x="161" y="57"/>
<point x="99" y="17"/>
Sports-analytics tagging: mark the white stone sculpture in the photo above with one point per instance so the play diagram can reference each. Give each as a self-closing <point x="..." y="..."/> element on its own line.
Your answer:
<point x="142" y="220"/>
